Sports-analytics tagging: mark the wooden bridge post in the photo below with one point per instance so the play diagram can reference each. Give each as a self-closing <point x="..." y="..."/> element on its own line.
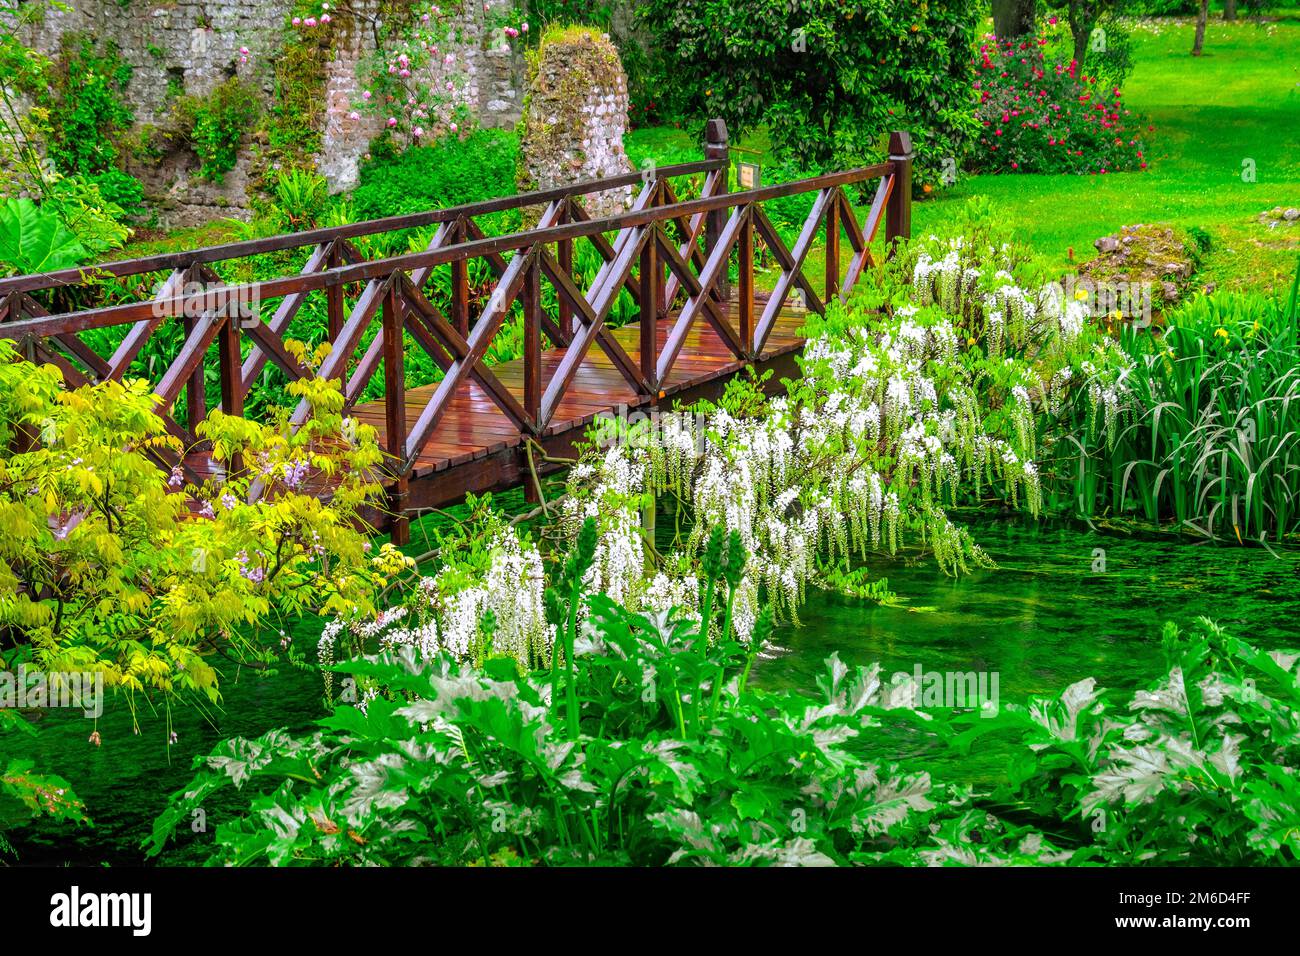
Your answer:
<point x="745" y="292"/>
<point x="832" y="248"/>
<point x="652" y="296"/>
<point x="460" y="286"/>
<point x="395" y="412"/>
<point x="717" y="146"/>
<point x="532" y="303"/>
<point x="196" y="397"/>
<point x="334" y="294"/>
<point x="229" y="363"/>
<point x="898" y="214"/>
<point x="564" y="257"/>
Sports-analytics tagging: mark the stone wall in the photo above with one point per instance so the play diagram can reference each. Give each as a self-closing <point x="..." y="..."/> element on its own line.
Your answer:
<point x="488" y="74"/>
<point x="191" y="46"/>
<point x="576" y="117"/>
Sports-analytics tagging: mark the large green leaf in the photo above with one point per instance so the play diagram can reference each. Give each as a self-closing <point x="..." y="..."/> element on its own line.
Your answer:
<point x="34" y="239"/>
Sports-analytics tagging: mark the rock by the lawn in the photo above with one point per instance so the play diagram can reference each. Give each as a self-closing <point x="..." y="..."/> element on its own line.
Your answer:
<point x="1151" y="257"/>
<point x="1279" y="216"/>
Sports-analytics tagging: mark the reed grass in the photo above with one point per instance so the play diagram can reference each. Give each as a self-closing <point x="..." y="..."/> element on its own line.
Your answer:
<point x="1210" y="438"/>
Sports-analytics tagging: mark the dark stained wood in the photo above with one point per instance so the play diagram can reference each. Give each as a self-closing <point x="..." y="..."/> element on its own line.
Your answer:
<point x="395" y="411"/>
<point x="745" y="292"/>
<point x="651" y="280"/>
<point x="473" y="426"/>
<point x="533" y="342"/>
<point x="334" y="295"/>
<point x="253" y="247"/>
<point x="460" y="290"/>
<point x="898" y="222"/>
<point x="832" y="284"/>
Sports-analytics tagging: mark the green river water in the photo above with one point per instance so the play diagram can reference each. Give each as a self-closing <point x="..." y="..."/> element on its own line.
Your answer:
<point x="1041" y="619"/>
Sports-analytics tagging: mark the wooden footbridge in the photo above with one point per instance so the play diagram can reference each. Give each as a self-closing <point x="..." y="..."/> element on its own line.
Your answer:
<point x="474" y="429"/>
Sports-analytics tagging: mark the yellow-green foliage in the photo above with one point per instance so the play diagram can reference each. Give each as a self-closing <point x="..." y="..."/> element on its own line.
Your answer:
<point x="105" y="567"/>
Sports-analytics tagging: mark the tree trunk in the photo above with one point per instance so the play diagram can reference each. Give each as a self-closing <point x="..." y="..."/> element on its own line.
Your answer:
<point x="1229" y="10"/>
<point x="1082" y="18"/>
<point x="1201" y="17"/>
<point x="1013" y="18"/>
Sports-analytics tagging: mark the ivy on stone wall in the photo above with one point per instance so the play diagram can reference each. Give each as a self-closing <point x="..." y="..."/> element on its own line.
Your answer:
<point x="215" y="125"/>
<point x="291" y="130"/>
<point x="87" y="102"/>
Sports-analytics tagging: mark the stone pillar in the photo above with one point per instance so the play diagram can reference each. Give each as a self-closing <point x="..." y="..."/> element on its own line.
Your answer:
<point x="575" y="117"/>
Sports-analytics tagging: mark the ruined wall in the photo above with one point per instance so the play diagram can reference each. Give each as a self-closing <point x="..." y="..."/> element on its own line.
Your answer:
<point x="488" y="79"/>
<point x="576" y="117"/>
<point x="191" y="46"/>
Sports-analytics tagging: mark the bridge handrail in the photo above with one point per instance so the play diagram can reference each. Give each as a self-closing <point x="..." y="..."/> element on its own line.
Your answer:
<point x="661" y="252"/>
<point x="219" y="296"/>
<point x="80" y="275"/>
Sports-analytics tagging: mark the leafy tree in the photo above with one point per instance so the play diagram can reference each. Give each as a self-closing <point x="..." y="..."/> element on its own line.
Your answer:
<point x="829" y="80"/>
<point x="108" y="564"/>
<point x="1013" y="18"/>
<point x="1202" y="14"/>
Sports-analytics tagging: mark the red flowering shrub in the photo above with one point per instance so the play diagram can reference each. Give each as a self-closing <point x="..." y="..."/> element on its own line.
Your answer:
<point x="1042" y="117"/>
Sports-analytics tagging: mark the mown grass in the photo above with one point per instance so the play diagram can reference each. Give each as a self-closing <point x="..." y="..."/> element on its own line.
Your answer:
<point x="1239" y="101"/>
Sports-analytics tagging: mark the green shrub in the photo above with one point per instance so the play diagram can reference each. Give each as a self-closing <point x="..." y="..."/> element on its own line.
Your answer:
<point x="829" y="80"/>
<point x="1040" y="116"/>
<point x="214" y="125"/>
<point x="97" y="221"/>
<point x="300" y="199"/>
<point x="449" y="172"/>
<point x="122" y="190"/>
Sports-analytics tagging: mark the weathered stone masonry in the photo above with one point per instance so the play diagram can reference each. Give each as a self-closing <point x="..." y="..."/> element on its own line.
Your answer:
<point x="193" y="46"/>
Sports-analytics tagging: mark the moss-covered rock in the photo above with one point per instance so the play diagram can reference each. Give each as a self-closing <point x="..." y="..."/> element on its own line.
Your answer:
<point x="1157" y="256"/>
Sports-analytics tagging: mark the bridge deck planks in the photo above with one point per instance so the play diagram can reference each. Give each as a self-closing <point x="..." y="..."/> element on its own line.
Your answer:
<point x="474" y="427"/>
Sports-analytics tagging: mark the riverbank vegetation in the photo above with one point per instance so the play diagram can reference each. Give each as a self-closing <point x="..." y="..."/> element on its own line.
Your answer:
<point x="578" y="681"/>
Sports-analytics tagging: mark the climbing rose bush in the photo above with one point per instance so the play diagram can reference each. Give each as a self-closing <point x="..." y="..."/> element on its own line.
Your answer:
<point x="1036" y="116"/>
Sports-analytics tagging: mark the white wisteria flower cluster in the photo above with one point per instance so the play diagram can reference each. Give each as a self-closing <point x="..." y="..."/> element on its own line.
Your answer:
<point x="898" y="415"/>
<point x="489" y="605"/>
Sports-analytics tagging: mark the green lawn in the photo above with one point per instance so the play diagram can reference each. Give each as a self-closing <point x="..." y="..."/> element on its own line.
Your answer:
<point x="1239" y="101"/>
